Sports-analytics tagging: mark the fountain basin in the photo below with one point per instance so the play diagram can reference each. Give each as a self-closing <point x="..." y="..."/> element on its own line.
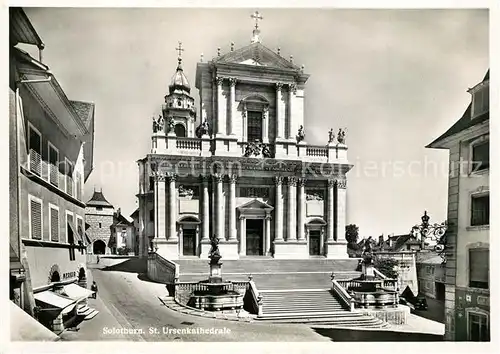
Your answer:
<point x="228" y="300"/>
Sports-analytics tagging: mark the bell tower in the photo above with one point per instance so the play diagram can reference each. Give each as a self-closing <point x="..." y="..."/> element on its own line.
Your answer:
<point x="179" y="111"/>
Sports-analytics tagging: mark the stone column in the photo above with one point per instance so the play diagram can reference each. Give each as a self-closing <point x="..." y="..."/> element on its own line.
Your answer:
<point x="172" y="208"/>
<point x="278" y="209"/>
<point x="280" y="126"/>
<point x="267" y="233"/>
<point x="197" y="240"/>
<point x="232" y="207"/>
<point x="292" y="216"/>
<point x="219" y="211"/>
<point x="243" y="236"/>
<point x="221" y="108"/>
<point x="155" y="204"/>
<point x="161" y="207"/>
<point x="341" y="200"/>
<point x="292" y="90"/>
<point x="232" y="104"/>
<point x="205" y="234"/>
<point x="329" y="210"/>
<point x="301" y="206"/>
<point x="265" y="124"/>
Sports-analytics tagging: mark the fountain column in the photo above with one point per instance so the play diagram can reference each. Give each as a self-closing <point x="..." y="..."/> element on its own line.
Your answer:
<point x="205" y="235"/>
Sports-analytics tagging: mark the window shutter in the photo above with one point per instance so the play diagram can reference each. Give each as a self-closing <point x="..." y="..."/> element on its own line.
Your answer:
<point x="54" y="224"/>
<point x="36" y="219"/>
<point x="479" y="263"/>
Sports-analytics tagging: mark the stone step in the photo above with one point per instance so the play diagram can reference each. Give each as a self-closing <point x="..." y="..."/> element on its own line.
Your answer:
<point x="91" y="315"/>
<point x="267" y="265"/>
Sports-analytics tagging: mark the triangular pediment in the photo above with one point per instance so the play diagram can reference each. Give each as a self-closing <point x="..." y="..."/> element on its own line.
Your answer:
<point x="258" y="55"/>
<point x="255" y="205"/>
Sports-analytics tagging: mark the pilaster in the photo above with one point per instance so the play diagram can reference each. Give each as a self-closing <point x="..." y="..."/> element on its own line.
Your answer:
<point x="330" y="211"/>
<point x="341" y="199"/>
<point x="219" y="203"/>
<point x="221" y="108"/>
<point x="292" y="217"/>
<point x="292" y="90"/>
<point x="243" y="235"/>
<point x="280" y="118"/>
<point x="172" y="236"/>
<point x="278" y="210"/>
<point x="232" y="105"/>
<point x="161" y="206"/>
<point x="232" y="207"/>
<point x="205" y="234"/>
<point x="301" y="209"/>
<point x="265" y="125"/>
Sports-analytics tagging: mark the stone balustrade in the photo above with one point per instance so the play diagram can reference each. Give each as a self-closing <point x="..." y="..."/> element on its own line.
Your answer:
<point x="222" y="146"/>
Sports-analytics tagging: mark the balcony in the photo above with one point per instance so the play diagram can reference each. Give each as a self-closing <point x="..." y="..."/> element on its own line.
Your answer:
<point x="51" y="174"/>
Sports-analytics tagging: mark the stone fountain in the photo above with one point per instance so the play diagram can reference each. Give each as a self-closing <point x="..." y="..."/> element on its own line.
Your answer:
<point x="214" y="294"/>
<point x="368" y="291"/>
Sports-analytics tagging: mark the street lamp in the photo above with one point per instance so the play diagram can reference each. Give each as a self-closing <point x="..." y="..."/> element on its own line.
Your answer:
<point x="435" y="232"/>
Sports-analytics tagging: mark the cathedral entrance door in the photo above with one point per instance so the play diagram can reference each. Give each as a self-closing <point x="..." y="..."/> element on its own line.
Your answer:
<point x="189" y="242"/>
<point x="255" y="237"/>
<point x="314" y="242"/>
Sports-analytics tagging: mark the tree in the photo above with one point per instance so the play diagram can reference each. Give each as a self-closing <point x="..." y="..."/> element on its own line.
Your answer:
<point x="387" y="266"/>
<point x="351" y="234"/>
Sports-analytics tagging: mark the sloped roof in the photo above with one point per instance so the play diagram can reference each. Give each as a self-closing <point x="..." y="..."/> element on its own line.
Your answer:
<point x="119" y="219"/>
<point x="98" y="199"/>
<point x="136" y="212"/>
<point x="256" y="54"/>
<point x="21" y="28"/>
<point x="85" y="111"/>
<point x="464" y="122"/>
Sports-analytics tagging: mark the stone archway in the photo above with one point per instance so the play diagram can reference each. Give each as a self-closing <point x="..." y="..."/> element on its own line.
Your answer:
<point x="99" y="247"/>
<point x="54" y="274"/>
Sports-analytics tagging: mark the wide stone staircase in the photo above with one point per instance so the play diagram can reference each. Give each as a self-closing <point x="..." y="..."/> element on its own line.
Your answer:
<point x="297" y="291"/>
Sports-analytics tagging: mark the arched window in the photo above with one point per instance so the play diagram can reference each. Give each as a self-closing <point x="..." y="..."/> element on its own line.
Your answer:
<point x="180" y="131"/>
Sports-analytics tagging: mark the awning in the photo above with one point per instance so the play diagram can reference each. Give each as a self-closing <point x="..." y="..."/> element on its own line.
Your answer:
<point x="76" y="235"/>
<point x="23" y="327"/>
<point x="76" y="292"/>
<point x="55" y="300"/>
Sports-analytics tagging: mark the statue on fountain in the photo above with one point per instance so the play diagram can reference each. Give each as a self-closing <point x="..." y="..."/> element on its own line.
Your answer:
<point x="214" y="253"/>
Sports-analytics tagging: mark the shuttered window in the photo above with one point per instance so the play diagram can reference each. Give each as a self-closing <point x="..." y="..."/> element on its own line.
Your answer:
<point x="54" y="224"/>
<point x="480" y="213"/>
<point x="481" y="156"/>
<point x="479" y="267"/>
<point x="481" y="101"/>
<point x="36" y="219"/>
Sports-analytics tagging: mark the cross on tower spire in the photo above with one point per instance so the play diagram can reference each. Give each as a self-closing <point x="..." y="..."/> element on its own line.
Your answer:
<point x="256" y="16"/>
<point x="180" y="50"/>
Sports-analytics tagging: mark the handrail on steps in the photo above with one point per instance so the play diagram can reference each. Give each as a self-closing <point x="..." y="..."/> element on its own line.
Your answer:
<point x="343" y="295"/>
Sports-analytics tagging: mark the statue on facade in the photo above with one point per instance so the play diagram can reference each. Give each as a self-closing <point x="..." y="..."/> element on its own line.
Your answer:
<point x="265" y="151"/>
<point x="155" y="125"/>
<point x="253" y="149"/>
<point x="341" y="136"/>
<point x="214" y="253"/>
<point x="301" y="134"/>
<point x="331" y="136"/>
<point x="171" y="125"/>
<point x="202" y="129"/>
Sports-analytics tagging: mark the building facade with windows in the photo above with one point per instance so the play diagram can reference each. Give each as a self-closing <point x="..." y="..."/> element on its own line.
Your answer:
<point x="467" y="294"/>
<point x="431" y="274"/>
<point x="246" y="173"/>
<point x="122" y="234"/>
<point x="51" y="157"/>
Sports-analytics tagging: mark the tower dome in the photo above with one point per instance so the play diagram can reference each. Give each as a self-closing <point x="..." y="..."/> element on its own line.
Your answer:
<point x="179" y="83"/>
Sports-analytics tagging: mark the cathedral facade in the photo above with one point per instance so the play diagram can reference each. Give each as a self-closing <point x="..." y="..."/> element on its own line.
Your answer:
<point x="242" y="170"/>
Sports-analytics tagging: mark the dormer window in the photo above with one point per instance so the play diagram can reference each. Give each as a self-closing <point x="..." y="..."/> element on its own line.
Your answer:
<point x="480" y="99"/>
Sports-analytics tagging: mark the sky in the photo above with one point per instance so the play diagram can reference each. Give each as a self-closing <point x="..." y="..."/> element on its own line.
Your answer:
<point x="395" y="79"/>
